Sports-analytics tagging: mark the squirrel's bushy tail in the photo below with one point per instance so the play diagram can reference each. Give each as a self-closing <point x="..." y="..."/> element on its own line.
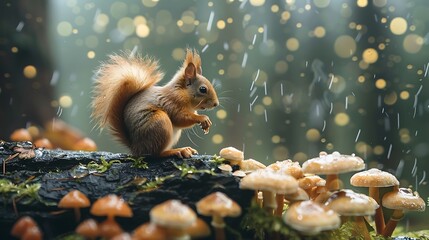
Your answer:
<point x="116" y="81"/>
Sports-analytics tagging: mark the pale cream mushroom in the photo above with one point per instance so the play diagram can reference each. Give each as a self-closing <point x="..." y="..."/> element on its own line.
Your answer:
<point x="401" y="200"/>
<point x="232" y="155"/>
<point x="250" y="165"/>
<point x="332" y="165"/>
<point x="375" y="179"/>
<point x="310" y="218"/>
<point x="348" y="203"/>
<point x="287" y="167"/>
<point x="270" y="183"/>
<point x="175" y="217"/>
<point x="218" y="206"/>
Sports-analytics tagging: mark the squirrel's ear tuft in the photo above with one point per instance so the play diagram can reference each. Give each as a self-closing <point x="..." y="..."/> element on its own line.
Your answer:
<point x="190" y="73"/>
<point x="192" y="56"/>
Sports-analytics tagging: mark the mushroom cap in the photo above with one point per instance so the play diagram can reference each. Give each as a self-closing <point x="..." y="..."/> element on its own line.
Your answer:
<point x="32" y="233"/>
<point x="403" y="199"/>
<point x="88" y="228"/>
<point x="22" y="225"/>
<point x="334" y="163"/>
<point x="310" y="181"/>
<point x="348" y="203"/>
<point x="287" y="167"/>
<point x="373" y="178"/>
<point x="172" y="214"/>
<point x="269" y="181"/>
<point x="232" y="154"/>
<point x="74" y="199"/>
<point x="43" y="143"/>
<point x="300" y="195"/>
<point x="149" y="231"/>
<point x="111" y="205"/>
<point x="310" y="217"/>
<point x="199" y="229"/>
<point x="109" y="228"/>
<point x="218" y="204"/>
<point x="225" y="168"/>
<point x="251" y="165"/>
<point x="85" y="144"/>
<point x="21" y="135"/>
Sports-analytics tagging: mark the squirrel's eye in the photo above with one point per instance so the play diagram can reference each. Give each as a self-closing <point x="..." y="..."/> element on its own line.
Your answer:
<point x="203" y="89"/>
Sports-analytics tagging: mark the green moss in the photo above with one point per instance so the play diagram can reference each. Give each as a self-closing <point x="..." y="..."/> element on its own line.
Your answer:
<point x="186" y="169"/>
<point x="24" y="192"/>
<point x="102" y="166"/>
<point x="217" y="159"/>
<point x="139" y="163"/>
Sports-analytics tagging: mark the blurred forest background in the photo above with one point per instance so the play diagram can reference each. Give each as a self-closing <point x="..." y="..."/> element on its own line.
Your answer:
<point x="295" y="77"/>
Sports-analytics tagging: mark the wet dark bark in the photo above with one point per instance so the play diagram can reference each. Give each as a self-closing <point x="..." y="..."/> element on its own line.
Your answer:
<point x="60" y="171"/>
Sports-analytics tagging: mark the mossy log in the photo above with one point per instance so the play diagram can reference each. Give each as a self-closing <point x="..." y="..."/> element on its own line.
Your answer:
<point x="34" y="180"/>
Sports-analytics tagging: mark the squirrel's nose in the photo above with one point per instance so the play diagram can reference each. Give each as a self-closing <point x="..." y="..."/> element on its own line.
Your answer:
<point x="215" y="104"/>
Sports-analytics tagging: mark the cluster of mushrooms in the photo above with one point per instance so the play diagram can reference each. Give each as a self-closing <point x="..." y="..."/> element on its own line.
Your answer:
<point x="168" y="220"/>
<point x="305" y="201"/>
<point x="314" y="204"/>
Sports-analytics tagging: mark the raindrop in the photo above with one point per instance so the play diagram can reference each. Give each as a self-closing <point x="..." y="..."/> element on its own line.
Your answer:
<point x="423" y="178"/>
<point x="357" y="136"/>
<point x="332" y="107"/>
<point x="243" y="4"/>
<point x="20" y="26"/>
<point x="238" y="108"/>
<point x="347" y="102"/>
<point x="400" y="168"/>
<point x="398" y="121"/>
<point x="55" y="77"/>
<point x="324" y="125"/>
<point x="134" y="51"/>
<point x="205" y="48"/>
<point x="59" y="111"/>
<point x="244" y="62"/>
<point x="265" y="88"/>
<point x="254" y="39"/>
<point x="389" y="152"/>
<point x="266" y="116"/>
<point x="414" y="170"/>
<point x="281" y="89"/>
<point x="332" y="80"/>
<point x="210" y="22"/>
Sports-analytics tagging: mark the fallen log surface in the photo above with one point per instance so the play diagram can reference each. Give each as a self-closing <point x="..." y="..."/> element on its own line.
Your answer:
<point x="34" y="180"/>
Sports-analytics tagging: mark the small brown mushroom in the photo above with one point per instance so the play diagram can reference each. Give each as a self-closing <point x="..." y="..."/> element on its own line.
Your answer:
<point x="22" y="225"/>
<point x="32" y="233"/>
<point x="400" y="200"/>
<point x="122" y="236"/>
<point x="199" y="229"/>
<point x="375" y="179"/>
<point x="85" y="144"/>
<point x="218" y="206"/>
<point x="149" y="231"/>
<point x="174" y="216"/>
<point x="21" y="135"/>
<point x="88" y="229"/>
<point x="43" y="143"/>
<point x="111" y="206"/>
<point x="75" y="199"/>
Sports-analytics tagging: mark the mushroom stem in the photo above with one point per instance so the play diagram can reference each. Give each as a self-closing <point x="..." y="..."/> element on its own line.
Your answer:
<point x="361" y="228"/>
<point x="269" y="201"/>
<point x="374" y="192"/>
<point x="332" y="182"/>
<point x="280" y="203"/>
<point x="219" y="226"/>
<point x="393" y="221"/>
<point x="77" y="214"/>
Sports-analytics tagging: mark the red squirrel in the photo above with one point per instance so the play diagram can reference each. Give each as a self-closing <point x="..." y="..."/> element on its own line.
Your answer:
<point x="146" y="117"/>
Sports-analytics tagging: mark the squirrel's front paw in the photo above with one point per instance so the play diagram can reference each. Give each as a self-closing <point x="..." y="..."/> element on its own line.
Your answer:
<point x="205" y="124"/>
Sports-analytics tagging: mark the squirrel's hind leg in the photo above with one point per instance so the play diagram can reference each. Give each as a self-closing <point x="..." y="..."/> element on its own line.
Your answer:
<point x="184" y="152"/>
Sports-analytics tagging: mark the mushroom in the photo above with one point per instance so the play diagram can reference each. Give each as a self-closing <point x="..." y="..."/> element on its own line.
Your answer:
<point x="300" y="195"/>
<point x="74" y="199"/>
<point x="199" y="229"/>
<point x="218" y="205"/>
<point x="85" y="144"/>
<point x="400" y="200"/>
<point x="289" y="168"/>
<point x="348" y="203"/>
<point x="111" y="206"/>
<point x="149" y="231"/>
<point x="226" y="168"/>
<point x="22" y="225"/>
<point x="312" y="184"/>
<point x="231" y="154"/>
<point x="88" y="229"/>
<point x="270" y="183"/>
<point x="332" y="165"/>
<point x="250" y="165"/>
<point x="43" y="143"/>
<point x="174" y="216"/>
<point x="122" y="236"/>
<point x="374" y="179"/>
<point x="21" y="135"/>
<point x="32" y="233"/>
<point x="310" y="218"/>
